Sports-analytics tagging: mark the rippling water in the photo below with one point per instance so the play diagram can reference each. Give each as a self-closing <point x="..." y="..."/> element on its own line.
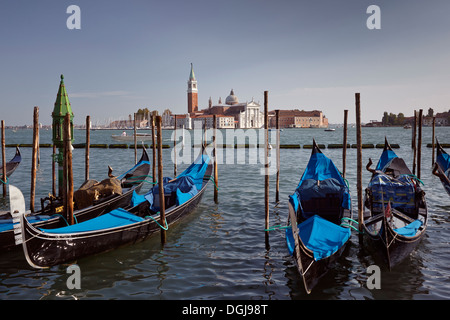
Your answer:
<point x="219" y="252"/>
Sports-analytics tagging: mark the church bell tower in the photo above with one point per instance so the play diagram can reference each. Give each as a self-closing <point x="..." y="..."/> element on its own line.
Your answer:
<point x="192" y="92"/>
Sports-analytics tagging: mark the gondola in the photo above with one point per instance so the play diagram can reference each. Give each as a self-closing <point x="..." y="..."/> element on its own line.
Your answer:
<point x="50" y="216"/>
<point x="319" y="222"/>
<point x="395" y="212"/>
<point x="12" y="165"/>
<point x="442" y="166"/>
<point x="44" y="248"/>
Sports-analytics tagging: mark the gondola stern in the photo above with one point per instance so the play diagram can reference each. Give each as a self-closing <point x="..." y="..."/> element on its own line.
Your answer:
<point x="20" y="223"/>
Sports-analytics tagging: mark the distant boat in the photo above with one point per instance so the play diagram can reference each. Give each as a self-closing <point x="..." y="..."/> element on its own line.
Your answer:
<point x="407" y="126"/>
<point x="330" y="129"/>
<point x="139" y="137"/>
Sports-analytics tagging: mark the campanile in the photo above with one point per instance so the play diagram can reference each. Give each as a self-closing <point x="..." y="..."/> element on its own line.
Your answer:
<point x="192" y="92"/>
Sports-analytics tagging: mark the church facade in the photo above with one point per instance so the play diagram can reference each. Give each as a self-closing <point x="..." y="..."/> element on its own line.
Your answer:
<point x="229" y="115"/>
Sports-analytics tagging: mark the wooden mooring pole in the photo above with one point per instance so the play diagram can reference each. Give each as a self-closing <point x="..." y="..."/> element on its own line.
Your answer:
<point x="419" y="144"/>
<point x="216" y="174"/>
<point x="162" y="210"/>
<point x="344" y="144"/>
<point x="5" y="179"/>
<point x="135" y="140"/>
<point x="433" y="138"/>
<point x="266" y="165"/>
<point x="359" y="161"/>
<point x="175" y="146"/>
<point x="87" y="148"/>
<point x="34" y="156"/>
<point x="277" y="188"/>
<point x="68" y="165"/>
<point x="54" y="171"/>
<point x="153" y="149"/>
<point x="414" y="146"/>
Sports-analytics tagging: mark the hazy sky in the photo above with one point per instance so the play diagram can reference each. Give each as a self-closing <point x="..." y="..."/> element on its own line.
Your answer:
<point x="308" y="54"/>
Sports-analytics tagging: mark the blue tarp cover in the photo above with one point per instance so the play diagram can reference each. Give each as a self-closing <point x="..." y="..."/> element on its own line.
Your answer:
<point x="320" y="236"/>
<point x="186" y="185"/>
<point x="385" y="158"/>
<point x="400" y="192"/>
<point x="116" y="218"/>
<point x="320" y="168"/>
<point x="7" y="224"/>
<point x="410" y="230"/>
<point x="444" y="161"/>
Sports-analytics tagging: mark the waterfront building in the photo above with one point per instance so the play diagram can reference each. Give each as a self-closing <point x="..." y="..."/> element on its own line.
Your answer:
<point x="298" y="119"/>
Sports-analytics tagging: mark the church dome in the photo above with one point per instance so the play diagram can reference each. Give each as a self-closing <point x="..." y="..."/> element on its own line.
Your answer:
<point x="231" y="99"/>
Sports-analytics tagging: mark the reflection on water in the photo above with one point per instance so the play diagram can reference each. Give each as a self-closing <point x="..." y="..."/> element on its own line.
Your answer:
<point x="219" y="251"/>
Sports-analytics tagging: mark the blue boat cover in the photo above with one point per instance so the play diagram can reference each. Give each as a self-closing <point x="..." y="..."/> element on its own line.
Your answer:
<point x="7" y="224"/>
<point x="185" y="186"/>
<point x="410" y="230"/>
<point x="322" y="237"/>
<point x="116" y="218"/>
<point x="400" y="191"/>
<point x="385" y="158"/>
<point x="443" y="160"/>
<point x="320" y="168"/>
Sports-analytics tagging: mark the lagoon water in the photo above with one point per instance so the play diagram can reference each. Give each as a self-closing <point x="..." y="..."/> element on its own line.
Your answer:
<point x="219" y="252"/>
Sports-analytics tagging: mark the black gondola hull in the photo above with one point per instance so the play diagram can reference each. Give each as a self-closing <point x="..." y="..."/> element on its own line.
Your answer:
<point x="391" y="248"/>
<point x="7" y="242"/>
<point x="44" y="250"/>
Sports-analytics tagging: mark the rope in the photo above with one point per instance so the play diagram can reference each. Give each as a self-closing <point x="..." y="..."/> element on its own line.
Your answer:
<point x="211" y="178"/>
<point x="166" y="228"/>
<point x="7" y="181"/>
<point x="278" y="227"/>
<point x="343" y="224"/>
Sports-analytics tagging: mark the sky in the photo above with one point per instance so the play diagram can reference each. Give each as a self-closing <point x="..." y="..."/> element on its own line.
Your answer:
<point x="310" y="55"/>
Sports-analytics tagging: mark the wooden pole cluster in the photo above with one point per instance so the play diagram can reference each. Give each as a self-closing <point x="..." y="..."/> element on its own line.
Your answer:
<point x="266" y="164"/>
<point x="216" y="174"/>
<point x="34" y="156"/>
<point x="4" y="158"/>
<point x="162" y="210"/>
<point x="359" y="161"/>
<point x="344" y="145"/>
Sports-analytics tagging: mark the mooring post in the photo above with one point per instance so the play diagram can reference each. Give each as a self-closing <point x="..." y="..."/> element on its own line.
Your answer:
<point x="135" y="140"/>
<point x="54" y="170"/>
<point x="359" y="161"/>
<point x="175" y="146"/>
<point x="344" y="144"/>
<point x="414" y="142"/>
<point x="153" y="150"/>
<point x="419" y="144"/>
<point x="432" y="141"/>
<point x="87" y="147"/>
<point x="266" y="165"/>
<point x="162" y="210"/>
<point x="216" y="174"/>
<point x="5" y="179"/>
<point x="34" y="156"/>
<point x="68" y="164"/>
<point x="277" y="186"/>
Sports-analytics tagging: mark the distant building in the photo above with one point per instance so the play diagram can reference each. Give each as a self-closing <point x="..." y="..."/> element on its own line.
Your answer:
<point x="298" y="119"/>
